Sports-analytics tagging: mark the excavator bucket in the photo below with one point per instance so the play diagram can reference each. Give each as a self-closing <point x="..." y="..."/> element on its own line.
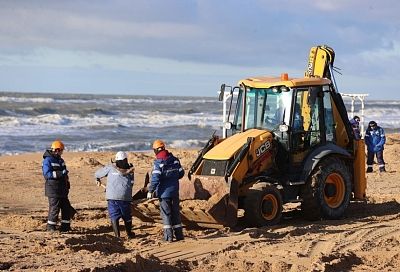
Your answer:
<point x="205" y="201"/>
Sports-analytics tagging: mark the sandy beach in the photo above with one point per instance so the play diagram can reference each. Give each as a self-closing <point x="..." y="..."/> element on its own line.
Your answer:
<point x="366" y="239"/>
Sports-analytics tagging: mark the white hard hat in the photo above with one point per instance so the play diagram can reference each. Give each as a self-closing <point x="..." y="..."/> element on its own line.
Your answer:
<point x="121" y="155"/>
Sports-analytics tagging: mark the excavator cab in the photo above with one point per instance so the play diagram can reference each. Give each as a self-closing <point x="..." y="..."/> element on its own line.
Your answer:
<point x="264" y="109"/>
<point x="290" y="141"/>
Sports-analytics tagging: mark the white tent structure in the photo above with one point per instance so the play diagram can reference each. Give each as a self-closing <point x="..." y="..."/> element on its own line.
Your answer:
<point x="355" y="97"/>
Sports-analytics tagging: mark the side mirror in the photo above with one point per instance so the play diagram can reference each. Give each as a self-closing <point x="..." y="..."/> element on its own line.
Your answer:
<point x="221" y="93"/>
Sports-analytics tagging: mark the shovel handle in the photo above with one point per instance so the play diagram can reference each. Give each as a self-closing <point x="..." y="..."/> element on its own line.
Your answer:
<point x="146" y="180"/>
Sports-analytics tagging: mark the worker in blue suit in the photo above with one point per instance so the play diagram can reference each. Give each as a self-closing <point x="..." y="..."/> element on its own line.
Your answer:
<point x="375" y="140"/>
<point x="57" y="187"/>
<point x="167" y="171"/>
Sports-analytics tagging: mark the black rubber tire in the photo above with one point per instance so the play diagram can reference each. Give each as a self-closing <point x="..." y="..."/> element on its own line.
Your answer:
<point x="262" y="205"/>
<point x="317" y="202"/>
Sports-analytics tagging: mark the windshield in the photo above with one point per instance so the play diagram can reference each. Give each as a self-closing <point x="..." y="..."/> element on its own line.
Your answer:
<point x="264" y="108"/>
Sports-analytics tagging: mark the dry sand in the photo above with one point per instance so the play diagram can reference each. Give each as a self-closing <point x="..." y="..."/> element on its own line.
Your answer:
<point x="366" y="239"/>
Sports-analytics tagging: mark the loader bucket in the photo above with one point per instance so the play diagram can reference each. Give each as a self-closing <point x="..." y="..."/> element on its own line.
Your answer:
<point x="205" y="201"/>
<point x="209" y="201"/>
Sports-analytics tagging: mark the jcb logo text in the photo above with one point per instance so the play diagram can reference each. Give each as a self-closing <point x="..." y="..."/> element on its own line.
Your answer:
<point x="263" y="148"/>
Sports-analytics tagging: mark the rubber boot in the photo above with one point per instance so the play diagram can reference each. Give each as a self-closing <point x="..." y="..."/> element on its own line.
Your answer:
<point x="72" y="212"/>
<point x="65" y="227"/>
<point x="128" y="228"/>
<point x="51" y="227"/>
<point x="168" y="236"/>
<point x="115" y="226"/>
<point x="369" y="170"/>
<point x="178" y="232"/>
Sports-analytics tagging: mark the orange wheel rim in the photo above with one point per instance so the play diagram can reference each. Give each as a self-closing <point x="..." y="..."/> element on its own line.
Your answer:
<point x="337" y="198"/>
<point x="269" y="207"/>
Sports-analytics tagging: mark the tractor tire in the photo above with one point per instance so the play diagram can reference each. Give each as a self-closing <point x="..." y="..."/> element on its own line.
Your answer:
<point x="328" y="190"/>
<point x="262" y="205"/>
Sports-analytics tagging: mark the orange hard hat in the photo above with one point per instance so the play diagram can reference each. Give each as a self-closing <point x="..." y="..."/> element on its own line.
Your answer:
<point x="57" y="144"/>
<point x="158" y="144"/>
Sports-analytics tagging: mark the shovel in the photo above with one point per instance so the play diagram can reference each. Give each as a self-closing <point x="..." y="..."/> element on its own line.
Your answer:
<point x="142" y="193"/>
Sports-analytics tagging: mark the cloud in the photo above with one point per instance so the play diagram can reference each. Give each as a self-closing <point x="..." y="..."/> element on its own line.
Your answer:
<point x="199" y="36"/>
<point x="43" y="27"/>
<point x="50" y="58"/>
<point x="200" y="31"/>
<point x="389" y="51"/>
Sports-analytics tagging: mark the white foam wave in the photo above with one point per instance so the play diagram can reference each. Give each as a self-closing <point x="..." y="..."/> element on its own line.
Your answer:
<point x="47" y="123"/>
<point x="26" y="99"/>
<point x="381" y="103"/>
<point x="163" y="100"/>
<point x="192" y="143"/>
<point x="386" y="117"/>
<point x="107" y="100"/>
<point x="132" y="101"/>
<point x="167" y="120"/>
<point x="99" y="146"/>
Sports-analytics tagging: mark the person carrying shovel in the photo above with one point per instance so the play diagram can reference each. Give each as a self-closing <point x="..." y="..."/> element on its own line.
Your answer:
<point x="167" y="171"/>
<point x="120" y="178"/>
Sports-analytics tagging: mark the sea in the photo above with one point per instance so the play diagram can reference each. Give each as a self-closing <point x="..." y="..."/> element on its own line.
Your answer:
<point x="29" y="122"/>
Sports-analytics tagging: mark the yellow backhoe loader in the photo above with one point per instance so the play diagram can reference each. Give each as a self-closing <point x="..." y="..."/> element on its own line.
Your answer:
<point x="290" y="141"/>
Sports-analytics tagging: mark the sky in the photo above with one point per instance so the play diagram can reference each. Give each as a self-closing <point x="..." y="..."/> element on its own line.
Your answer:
<point x="191" y="47"/>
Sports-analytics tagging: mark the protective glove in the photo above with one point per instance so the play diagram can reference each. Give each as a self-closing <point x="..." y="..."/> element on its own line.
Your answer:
<point x="377" y="148"/>
<point x="61" y="174"/>
<point x="149" y="195"/>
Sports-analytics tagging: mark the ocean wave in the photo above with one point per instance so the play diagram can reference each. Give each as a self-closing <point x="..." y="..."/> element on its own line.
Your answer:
<point x="29" y="122"/>
<point x="46" y="123"/>
<point x="191" y="143"/>
<point x="35" y="110"/>
<point x="26" y="99"/>
<point x="99" y="99"/>
<point x="6" y="113"/>
<point x="133" y="146"/>
<point x="109" y="145"/>
<point x="163" y="100"/>
<point x="97" y="118"/>
<point x="40" y="110"/>
<point x="97" y="111"/>
<point x="384" y="103"/>
<point x="101" y="146"/>
<point x="183" y="111"/>
<point x="382" y="112"/>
